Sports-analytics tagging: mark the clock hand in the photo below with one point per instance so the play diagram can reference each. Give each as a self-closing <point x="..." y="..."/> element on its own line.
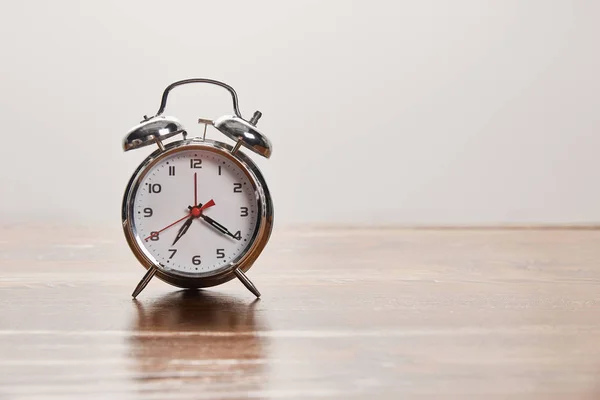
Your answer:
<point x="206" y="205"/>
<point x="196" y="188"/>
<point x="195" y="212"/>
<point x="165" y="228"/>
<point x="183" y="229"/>
<point x="218" y="226"/>
<point x="215" y="224"/>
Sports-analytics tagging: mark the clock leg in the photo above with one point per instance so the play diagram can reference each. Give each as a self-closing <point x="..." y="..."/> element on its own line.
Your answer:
<point x="140" y="286"/>
<point x="244" y="279"/>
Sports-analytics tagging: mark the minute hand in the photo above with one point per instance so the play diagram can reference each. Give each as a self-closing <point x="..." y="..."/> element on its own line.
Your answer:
<point x="217" y="226"/>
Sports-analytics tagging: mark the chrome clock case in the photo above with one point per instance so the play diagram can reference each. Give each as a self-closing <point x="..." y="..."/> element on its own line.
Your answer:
<point x="154" y="131"/>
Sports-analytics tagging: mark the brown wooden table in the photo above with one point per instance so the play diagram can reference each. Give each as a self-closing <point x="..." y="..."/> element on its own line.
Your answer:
<point x="345" y="313"/>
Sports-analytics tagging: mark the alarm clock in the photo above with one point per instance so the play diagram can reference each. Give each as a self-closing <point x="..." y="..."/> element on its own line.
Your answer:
<point x="197" y="212"/>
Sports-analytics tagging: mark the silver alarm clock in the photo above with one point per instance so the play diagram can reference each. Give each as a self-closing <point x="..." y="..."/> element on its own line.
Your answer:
<point x="197" y="212"/>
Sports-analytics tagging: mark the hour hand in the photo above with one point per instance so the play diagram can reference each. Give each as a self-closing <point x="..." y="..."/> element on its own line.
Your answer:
<point x="183" y="229"/>
<point x="218" y="226"/>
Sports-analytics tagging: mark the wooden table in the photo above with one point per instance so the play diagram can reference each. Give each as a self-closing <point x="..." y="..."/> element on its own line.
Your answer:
<point x="345" y="313"/>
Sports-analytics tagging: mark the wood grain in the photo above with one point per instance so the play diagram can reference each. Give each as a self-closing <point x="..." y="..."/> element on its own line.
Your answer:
<point x="345" y="313"/>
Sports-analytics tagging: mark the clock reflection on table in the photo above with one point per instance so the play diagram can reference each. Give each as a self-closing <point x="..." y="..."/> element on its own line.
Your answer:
<point x="196" y="340"/>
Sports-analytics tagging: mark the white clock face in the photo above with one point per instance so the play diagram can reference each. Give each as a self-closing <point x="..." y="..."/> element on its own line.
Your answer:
<point x="195" y="211"/>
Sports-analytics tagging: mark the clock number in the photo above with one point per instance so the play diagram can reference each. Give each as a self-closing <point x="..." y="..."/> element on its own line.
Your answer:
<point x="238" y="235"/>
<point x="220" y="253"/>
<point x="154" y="236"/>
<point x="148" y="212"/>
<point x="171" y="170"/>
<point x="244" y="211"/>
<point x="237" y="188"/>
<point x="154" y="187"/>
<point x="173" y="251"/>
<point x="219" y="170"/>
<point x="196" y="260"/>
<point x="196" y="163"/>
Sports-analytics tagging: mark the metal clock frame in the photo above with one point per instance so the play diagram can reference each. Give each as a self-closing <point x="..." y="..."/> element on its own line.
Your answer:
<point x="235" y="268"/>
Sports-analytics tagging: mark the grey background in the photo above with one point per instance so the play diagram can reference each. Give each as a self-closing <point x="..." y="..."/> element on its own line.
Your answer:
<point x="383" y="112"/>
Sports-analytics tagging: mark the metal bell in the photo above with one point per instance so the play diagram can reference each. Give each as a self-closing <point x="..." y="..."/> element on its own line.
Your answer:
<point x="245" y="132"/>
<point x="158" y="128"/>
<point x="150" y="130"/>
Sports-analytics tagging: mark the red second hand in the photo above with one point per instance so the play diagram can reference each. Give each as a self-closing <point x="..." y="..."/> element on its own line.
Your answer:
<point x="166" y="227"/>
<point x="195" y="188"/>
<point x="209" y="203"/>
<point x="193" y="212"/>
